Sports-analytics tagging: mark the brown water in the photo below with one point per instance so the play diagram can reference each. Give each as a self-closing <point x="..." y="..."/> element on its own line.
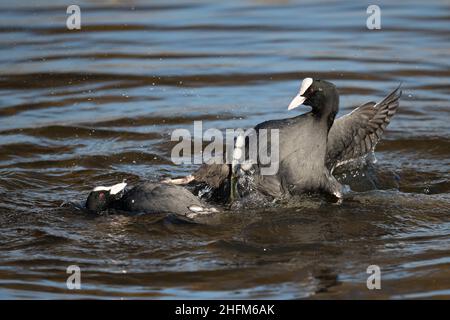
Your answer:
<point x="80" y="109"/>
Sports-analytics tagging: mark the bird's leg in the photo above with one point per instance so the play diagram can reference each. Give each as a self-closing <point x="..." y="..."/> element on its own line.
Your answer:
<point x="334" y="187"/>
<point x="233" y="187"/>
<point x="238" y="159"/>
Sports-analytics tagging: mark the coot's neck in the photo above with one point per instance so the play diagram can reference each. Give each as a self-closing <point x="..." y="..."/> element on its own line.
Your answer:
<point x="327" y="107"/>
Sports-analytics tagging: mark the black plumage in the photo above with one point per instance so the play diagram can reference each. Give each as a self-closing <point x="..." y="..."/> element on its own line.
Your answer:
<point x="313" y="144"/>
<point x="148" y="197"/>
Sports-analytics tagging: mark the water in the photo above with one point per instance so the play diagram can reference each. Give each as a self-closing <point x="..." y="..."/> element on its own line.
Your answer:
<point x="80" y="109"/>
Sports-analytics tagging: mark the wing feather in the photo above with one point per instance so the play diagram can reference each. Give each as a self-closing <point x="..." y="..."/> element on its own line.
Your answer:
<point x="357" y="133"/>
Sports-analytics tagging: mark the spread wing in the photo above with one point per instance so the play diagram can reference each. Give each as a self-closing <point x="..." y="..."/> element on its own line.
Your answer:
<point x="357" y="133"/>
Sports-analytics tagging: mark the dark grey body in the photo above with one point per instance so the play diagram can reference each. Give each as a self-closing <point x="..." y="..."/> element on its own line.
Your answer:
<point x="313" y="144"/>
<point x="302" y="150"/>
<point x="150" y="197"/>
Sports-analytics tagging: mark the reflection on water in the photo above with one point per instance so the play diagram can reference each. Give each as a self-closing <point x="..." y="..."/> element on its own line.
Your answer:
<point x="93" y="107"/>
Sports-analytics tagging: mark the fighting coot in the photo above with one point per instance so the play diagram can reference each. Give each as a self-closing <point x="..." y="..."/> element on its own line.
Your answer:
<point x="147" y="197"/>
<point x="313" y="144"/>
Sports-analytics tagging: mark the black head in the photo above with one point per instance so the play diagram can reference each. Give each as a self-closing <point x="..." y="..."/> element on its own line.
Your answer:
<point x="101" y="198"/>
<point x="321" y="95"/>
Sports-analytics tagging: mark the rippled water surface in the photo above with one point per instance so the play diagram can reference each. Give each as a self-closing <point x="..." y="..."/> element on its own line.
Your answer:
<point x="95" y="106"/>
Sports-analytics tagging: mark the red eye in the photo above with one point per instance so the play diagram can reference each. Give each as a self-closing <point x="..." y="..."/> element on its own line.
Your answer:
<point x="101" y="196"/>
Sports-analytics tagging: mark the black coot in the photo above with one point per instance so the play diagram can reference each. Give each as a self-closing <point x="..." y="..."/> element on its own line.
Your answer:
<point x="313" y="144"/>
<point x="148" y="197"/>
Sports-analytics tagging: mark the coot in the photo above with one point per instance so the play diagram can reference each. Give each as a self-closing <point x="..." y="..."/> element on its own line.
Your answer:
<point x="313" y="144"/>
<point x="147" y="197"/>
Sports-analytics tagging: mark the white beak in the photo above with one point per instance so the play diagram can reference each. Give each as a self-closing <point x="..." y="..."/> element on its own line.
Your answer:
<point x="299" y="98"/>
<point x="296" y="102"/>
